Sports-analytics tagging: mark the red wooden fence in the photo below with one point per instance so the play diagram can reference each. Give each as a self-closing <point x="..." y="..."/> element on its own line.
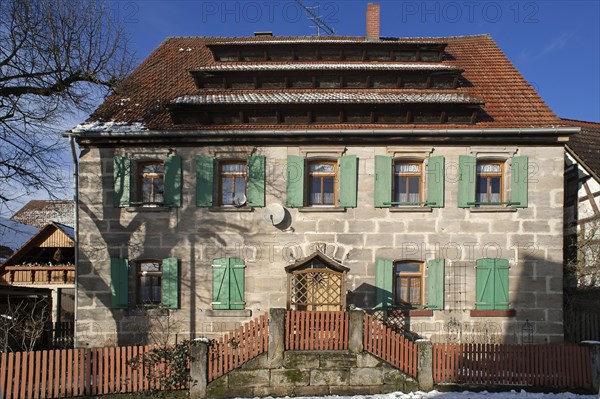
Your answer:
<point x="316" y="330"/>
<point x="237" y="347"/>
<point x="390" y="346"/>
<point x="556" y="366"/>
<point x="72" y="372"/>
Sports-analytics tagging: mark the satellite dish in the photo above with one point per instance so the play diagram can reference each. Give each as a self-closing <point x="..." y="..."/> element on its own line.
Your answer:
<point x="274" y="214"/>
<point x="239" y="200"/>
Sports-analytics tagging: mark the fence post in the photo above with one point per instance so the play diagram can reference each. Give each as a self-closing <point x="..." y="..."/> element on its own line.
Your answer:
<point x="198" y="370"/>
<point x="595" y="363"/>
<point x="276" y="338"/>
<point x="425" y="364"/>
<point x="356" y="330"/>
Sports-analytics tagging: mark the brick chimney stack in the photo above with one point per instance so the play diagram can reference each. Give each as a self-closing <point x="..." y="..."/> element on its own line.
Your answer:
<point x="373" y="18"/>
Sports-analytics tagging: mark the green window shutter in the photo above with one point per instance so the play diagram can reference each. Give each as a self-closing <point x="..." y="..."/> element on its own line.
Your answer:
<point x="519" y="187"/>
<point x="295" y="181"/>
<point x="383" y="181"/>
<point x="173" y="181"/>
<point x="220" y="270"/>
<point x="170" y="283"/>
<point x="501" y="299"/>
<point x="436" y="181"/>
<point x="204" y="181"/>
<point x="122" y="175"/>
<point x="236" y="284"/>
<point x="347" y="172"/>
<point x="256" y="181"/>
<point x="119" y="283"/>
<point x="467" y="179"/>
<point x="484" y="284"/>
<point x="384" y="281"/>
<point x="435" y="284"/>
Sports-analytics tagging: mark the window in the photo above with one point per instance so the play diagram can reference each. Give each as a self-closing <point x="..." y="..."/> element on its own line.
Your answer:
<point x="146" y="182"/>
<point x="408" y="283"/>
<point x="148" y="282"/>
<point x="489" y="183"/>
<point x="228" y="284"/>
<point x="400" y="284"/>
<point x="153" y="282"/>
<point x="232" y="182"/>
<point x="481" y="183"/>
<point x="400" y="182"/>
<point x="322" y="182"/>
<point x="318" y="182"/>
<point x="221" y="182"/>
<point x="492" y="284"/>
<point x="407" y="183"/>
<point x="151" y="178"/>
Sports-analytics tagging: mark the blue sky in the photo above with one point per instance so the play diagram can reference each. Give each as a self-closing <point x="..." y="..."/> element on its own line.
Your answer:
<point x="554" y="44"/>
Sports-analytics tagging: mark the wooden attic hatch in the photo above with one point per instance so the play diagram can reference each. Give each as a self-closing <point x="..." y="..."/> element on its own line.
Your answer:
<point x="317" y="283"/>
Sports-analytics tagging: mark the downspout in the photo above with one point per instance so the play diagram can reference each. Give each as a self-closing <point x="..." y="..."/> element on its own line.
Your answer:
<point x="75" y="228"/>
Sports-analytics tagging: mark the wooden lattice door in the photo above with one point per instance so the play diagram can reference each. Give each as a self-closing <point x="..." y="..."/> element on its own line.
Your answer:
<point x="317" y="285"/>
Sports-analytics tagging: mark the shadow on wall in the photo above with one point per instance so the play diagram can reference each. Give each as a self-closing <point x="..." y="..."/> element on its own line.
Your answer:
<point x="144" y="236"/>
<point x="535" y="296"/>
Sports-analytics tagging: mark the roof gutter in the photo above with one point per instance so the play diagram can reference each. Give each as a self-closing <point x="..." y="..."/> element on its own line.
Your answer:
<point x="330" y="132"/>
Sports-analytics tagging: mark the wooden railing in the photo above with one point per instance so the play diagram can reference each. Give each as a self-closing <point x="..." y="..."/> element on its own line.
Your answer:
<point x="238" y="347"/>
<point x="38" y="275"/>
<point x="559" y="366"/>
<point x="73" y="372"/>
<point x="316" y="330"/>
<point x="388" y="345"/>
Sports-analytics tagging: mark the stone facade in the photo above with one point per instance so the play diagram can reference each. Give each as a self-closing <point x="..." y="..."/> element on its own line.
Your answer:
<point x="530" y="239"/>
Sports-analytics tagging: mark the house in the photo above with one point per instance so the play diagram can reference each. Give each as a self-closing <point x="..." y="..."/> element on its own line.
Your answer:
<point x="419" y="179"/>
<point x="46" y="262"/>
<point x="582" y="232"/>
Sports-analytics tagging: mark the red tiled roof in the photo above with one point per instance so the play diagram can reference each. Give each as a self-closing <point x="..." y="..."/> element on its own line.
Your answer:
<point x="586" y="144"/>
<point x="510" y="101"/>
<point x="39" y="213"/>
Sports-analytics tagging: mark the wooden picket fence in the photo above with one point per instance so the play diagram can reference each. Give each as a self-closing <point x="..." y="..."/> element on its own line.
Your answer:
<point x="388" y="345"/>
<point x="316" y="330"/>
<point x="558" y="366"/>
<point x="73" y="372"/>
<point x="238" y="347"/>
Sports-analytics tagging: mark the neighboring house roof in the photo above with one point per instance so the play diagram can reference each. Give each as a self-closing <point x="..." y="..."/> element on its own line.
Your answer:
<point x="65" y="239"/>
<point x="167" y="75"/>
<point x="13" y="235"/>
<point x="586" y="144"/>
<point x="39" y="213"/>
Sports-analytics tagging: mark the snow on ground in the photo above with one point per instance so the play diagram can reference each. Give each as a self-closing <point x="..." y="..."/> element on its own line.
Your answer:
<point x="466" y="395"/>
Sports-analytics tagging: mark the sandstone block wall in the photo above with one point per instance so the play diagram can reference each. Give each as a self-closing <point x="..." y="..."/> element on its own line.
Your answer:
<point x="530" y="238"/>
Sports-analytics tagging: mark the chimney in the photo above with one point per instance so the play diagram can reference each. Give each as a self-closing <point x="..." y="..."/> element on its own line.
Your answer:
<point x="373" y="14"/>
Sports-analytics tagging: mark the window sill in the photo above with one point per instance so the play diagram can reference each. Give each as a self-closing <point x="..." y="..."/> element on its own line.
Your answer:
<point x="321" y="209"/>
<point x="492" y="208"/>
<point x="493" y="313"/>
<point x="218" y="209"/>
<point x="141" y="208"/>
<point x="413" y="312"/>
<point x="423" y="209"/>
<point x="229" y="313"/>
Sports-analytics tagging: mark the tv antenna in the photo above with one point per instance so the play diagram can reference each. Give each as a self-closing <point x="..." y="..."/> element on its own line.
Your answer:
<point x="318" y="21"/>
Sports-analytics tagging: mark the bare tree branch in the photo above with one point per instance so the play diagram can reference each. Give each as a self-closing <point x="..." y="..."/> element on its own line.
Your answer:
<point x="57" y="58"/>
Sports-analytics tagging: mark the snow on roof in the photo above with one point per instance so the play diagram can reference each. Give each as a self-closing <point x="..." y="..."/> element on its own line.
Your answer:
<point x="116" y="127"/>
<point x="13" y="234"/>
<point x="330" y="97"/>
<point x="331" y="66"/>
